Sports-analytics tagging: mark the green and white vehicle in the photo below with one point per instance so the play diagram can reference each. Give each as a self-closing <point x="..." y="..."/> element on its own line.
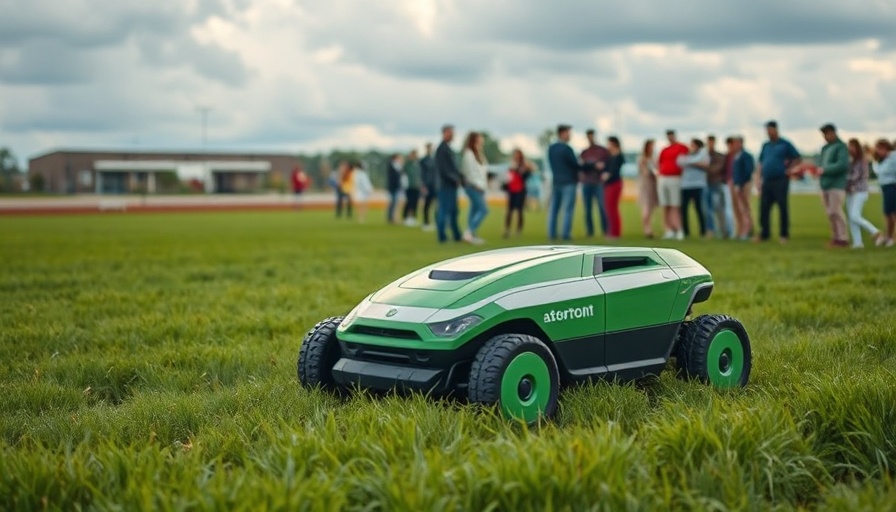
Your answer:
<point x="512" y="326"/>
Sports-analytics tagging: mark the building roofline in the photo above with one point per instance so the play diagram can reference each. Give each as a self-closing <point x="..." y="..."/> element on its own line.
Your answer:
<point x="156" y="151"/>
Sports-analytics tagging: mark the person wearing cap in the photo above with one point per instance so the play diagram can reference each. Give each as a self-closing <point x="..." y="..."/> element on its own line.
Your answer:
<point x="668" y="185"/>
<point x="833" y="168"/>
<point x="449" y="180"/>
<point x="598" y="157"/>
<point x="886" y="177"/>
<point x="777" y="156"/>
<point x="565" y="169"/>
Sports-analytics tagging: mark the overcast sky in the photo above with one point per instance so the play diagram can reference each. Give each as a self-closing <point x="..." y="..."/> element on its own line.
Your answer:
<point x="291" y="75"/>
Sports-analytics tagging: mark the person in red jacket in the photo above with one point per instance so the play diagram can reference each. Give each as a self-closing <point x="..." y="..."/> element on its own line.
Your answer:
<point x="519" y="172"/>
<point x="669" y="185"/>
<point x="300" y="183"/>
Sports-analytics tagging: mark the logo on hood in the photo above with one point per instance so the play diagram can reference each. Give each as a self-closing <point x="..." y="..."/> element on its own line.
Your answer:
<point x="392" y="312"/>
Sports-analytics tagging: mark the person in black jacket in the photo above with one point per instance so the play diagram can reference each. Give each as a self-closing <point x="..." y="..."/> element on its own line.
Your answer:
<point x="448" y="180"/>
<point x="428" y="175"/>
<point x="612" y="179"/>
<point x="393" y="185"/>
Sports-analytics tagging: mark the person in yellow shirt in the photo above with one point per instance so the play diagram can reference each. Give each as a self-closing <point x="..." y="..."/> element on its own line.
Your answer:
<point x="345" y="185"/>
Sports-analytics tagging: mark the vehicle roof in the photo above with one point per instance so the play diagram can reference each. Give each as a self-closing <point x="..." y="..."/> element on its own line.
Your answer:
<point x="487" y="261"/>
<point x="470" y="278"/>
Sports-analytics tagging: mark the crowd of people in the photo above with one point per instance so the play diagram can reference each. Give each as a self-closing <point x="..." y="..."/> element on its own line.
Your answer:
<point x="680" y="180"/>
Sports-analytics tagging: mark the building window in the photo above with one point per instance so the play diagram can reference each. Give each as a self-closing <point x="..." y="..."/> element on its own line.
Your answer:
<point x="85" y="178"/>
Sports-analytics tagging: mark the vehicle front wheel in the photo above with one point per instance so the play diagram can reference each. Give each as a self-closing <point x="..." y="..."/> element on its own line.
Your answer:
<point x="518" y="373"/>
<point x="715" y="349"/>
<point x="318" y="354"/>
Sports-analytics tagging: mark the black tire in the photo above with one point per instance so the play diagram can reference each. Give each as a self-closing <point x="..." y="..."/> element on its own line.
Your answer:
<point x="526" y="370"/>
<point x="715" y="349"/>
<point x="318" y="353"/>
<point x="681" y="355"/>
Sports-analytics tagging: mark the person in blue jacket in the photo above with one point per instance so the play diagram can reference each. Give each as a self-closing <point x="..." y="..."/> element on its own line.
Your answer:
<point x="742" y="167"/>
<point x="565" y="169"/>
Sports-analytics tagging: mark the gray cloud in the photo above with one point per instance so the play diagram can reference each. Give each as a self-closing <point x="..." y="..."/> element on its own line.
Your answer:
<point x="209" y="61"/>
<point x="44" y="62"/>
<point x="95" y="23"/>
<point x="52" y="42"/>
<point x="699" y="24"/>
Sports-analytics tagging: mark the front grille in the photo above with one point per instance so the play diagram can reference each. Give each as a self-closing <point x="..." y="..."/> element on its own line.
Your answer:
<point x="385" y="332"/>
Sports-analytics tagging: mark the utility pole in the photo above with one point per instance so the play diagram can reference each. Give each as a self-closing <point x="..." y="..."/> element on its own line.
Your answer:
<point x="204" y="110"/>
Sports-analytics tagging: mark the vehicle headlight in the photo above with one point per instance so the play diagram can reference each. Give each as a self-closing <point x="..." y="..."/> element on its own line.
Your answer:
<point x="454" y="327"/>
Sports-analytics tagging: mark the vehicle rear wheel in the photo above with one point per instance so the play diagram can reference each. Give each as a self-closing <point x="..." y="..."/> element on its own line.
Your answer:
<point x="518" y="373"/>
<point x="715" y="349"/>
<point x="318" y="354"/>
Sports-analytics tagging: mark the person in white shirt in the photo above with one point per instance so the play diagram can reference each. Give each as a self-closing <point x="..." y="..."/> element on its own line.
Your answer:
<point x="474" y="169"/>
<point x="886" y="177"/>
<point x="693" y="182"/>
<point x="362" y="189"/>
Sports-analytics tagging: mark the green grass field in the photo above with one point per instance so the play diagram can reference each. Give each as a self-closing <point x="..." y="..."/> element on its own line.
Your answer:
<point x="148" y="362"/>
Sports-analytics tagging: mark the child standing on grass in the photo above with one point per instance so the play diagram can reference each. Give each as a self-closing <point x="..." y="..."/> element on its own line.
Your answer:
<point x="362" y="189"/>
<point x="519" y="172"/>
<point x="300" y="182"/>
<point x="344" y="189"/>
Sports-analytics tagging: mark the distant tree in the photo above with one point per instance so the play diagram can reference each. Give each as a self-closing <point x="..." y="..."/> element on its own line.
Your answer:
<point x="545" y="139"/>
<point x="9" y="169"/>
<point x="492" y="149"/>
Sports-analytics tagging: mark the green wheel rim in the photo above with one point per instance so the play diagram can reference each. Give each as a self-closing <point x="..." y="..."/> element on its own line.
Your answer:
<point x="525" y="387"/>
<point x="725" y="361"/>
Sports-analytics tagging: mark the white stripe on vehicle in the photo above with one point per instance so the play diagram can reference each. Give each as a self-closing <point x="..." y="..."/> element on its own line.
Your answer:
<point x="543" y="295"/>
<point x="449" y="314"/>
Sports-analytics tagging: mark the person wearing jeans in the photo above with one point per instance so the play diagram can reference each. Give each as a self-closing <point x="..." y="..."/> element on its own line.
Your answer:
<point x="562" y="197"/>
<point x="474" y="169"/>
<point x="449" y="179"/>
<point x="693" y="184"/>
<point x="714" y="200"/>
<point x="565" y="169"/>
<point x="596" y="157"/>
<point x="777" y="156"/>
<point x="857" y="195"/>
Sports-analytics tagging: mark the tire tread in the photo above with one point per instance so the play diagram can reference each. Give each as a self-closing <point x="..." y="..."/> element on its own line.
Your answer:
<point x="310" y="367"/>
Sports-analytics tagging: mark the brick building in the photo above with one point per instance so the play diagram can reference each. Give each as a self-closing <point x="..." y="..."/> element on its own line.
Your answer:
<point x="123" y="172"/>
